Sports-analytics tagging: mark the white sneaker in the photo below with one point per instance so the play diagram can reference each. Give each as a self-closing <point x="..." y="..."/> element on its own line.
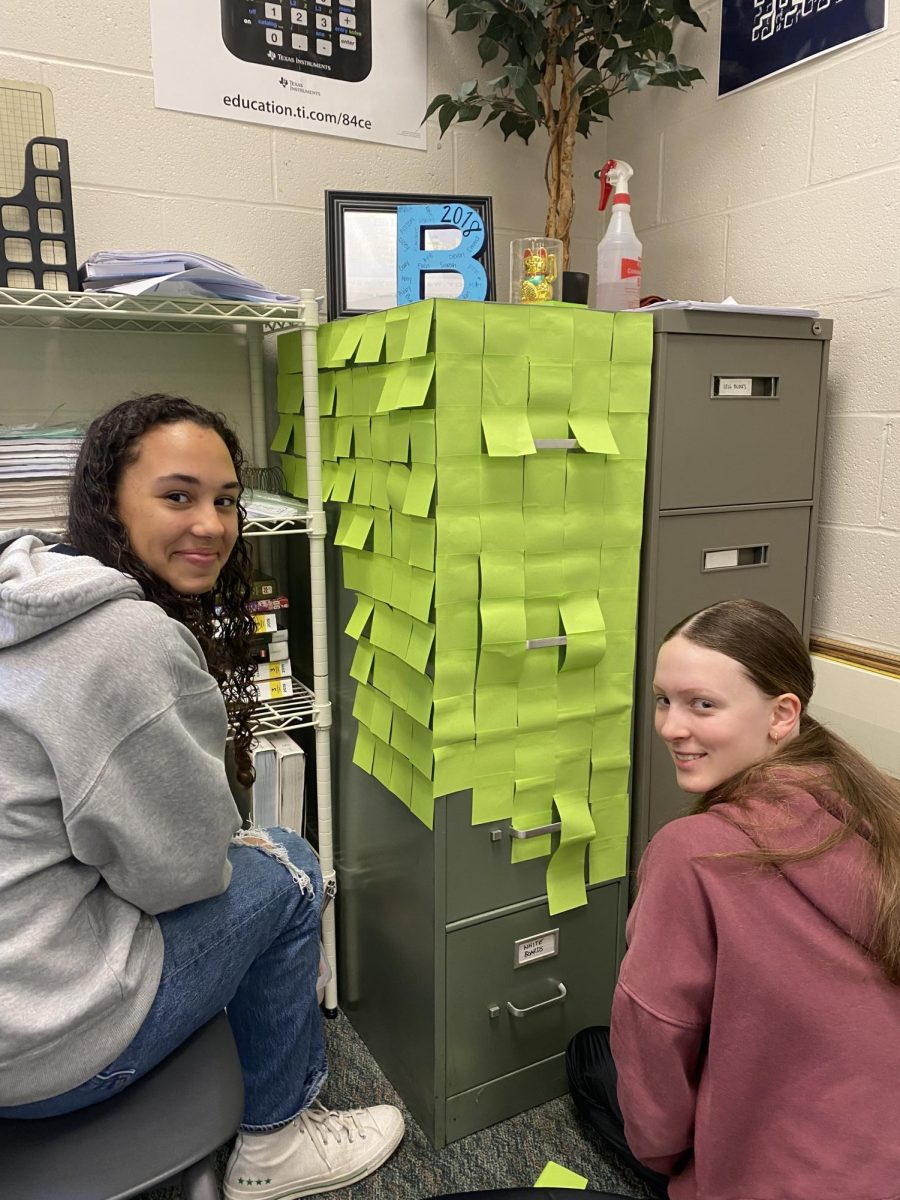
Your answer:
<point x="317" y="1152"/>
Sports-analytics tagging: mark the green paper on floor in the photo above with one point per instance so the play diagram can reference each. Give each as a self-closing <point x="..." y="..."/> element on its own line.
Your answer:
<point x="553" y="1175"/>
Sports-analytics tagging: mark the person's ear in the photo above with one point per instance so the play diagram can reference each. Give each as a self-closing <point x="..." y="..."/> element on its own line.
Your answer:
<point x="785" y="716"/>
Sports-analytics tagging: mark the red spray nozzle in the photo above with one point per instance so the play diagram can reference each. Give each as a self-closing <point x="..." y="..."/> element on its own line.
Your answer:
<point x="605" y="186"/>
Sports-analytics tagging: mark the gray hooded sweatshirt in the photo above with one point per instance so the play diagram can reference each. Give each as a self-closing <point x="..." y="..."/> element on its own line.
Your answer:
<point x="114" y="806"/>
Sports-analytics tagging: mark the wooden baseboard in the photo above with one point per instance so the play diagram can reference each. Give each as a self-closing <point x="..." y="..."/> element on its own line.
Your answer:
<point x="866" y="657"/>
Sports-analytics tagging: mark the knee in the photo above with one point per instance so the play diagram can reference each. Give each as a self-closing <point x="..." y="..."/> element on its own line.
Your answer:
<point x="299" y="852"/>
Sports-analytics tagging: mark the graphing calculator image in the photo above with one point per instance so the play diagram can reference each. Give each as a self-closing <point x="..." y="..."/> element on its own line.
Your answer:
<point x="319" y="37"/>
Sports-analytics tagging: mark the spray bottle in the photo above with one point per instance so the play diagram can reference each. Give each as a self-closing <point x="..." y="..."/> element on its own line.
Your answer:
<point x="619" y="252"/>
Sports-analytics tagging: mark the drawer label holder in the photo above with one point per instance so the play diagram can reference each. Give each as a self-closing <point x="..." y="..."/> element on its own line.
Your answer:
<point x="538" y="946"/>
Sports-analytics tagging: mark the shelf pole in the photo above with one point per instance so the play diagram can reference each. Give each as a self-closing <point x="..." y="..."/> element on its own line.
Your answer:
<point x="256" y="366"/>
<point x="319" y="627"/>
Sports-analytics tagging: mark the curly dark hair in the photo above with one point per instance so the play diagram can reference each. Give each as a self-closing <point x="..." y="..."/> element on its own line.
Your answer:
<point x="218" y="619"/>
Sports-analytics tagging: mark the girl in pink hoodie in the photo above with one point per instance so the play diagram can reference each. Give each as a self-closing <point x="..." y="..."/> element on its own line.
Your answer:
<point x="756" y="1022"/>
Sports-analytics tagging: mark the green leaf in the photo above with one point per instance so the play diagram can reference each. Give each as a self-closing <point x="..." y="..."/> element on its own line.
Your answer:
<point x="638" y="79"/>
<point x="468" y="112"/>
<point x="435" y="105"/>
<point x="446" y="115"/>
<point x="488" y="49"/>
<point x="509" y="123"/>
<point x="527" y="97"/>
<point x="685" y="13"/>
<point x="465" y="90"/>
<point x="516" y="77"/>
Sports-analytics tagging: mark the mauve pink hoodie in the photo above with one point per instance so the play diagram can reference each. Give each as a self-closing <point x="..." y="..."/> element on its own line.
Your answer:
<point x="757" y="1043"/>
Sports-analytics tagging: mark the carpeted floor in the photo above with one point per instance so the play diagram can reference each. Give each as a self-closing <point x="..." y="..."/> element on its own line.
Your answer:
<point x="511" y="1154"/>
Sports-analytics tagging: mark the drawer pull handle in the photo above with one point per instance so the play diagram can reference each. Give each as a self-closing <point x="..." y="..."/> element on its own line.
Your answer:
<point x="557" y="999"/>
<point x="537" y="831"/>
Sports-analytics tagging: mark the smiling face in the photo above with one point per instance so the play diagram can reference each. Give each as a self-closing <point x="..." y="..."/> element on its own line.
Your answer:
<point x="714" y="720"/>
<point x="178" y="503"/>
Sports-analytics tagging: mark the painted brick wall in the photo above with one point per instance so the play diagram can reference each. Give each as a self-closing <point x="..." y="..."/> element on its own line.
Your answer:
<point x="789" y="193"/>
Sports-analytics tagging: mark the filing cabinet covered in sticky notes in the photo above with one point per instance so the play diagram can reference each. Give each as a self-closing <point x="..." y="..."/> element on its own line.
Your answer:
<point x="734" y="455"/>
<point x="485" y="465"/>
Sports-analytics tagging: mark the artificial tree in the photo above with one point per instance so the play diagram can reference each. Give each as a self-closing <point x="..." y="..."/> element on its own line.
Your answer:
<point x="564" y="62"/>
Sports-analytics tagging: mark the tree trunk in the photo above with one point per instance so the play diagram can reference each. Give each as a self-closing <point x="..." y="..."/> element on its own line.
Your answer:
<point x="559" y="176"/>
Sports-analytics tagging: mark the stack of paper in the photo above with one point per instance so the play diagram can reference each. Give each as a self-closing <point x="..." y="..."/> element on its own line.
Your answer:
<point x="35" y="467"/>
<point x="729" y="304"/>
<point x="171" y="273"/>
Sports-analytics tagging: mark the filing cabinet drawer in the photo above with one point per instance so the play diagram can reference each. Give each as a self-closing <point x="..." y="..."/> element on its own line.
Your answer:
<point x="480" y="874"/>
<point x="482" y="979"/>
<point x="694" y="553"/>
<point x="735" y="448"/>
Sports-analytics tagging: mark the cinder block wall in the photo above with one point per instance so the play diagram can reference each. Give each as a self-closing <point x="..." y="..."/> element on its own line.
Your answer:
<point x="787" y="193"/>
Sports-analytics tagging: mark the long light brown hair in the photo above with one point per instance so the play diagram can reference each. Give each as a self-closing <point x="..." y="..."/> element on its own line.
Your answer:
<point x="774" y="657"/>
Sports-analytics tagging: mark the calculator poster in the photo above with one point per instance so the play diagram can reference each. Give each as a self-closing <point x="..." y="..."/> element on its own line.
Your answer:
<point x="339" y="68"/>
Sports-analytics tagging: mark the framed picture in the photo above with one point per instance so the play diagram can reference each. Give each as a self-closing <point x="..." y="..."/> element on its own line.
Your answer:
<point x="361" y="249"/>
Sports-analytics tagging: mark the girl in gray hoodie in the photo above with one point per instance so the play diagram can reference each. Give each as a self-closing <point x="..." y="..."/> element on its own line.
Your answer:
<point x="130" y="913"/>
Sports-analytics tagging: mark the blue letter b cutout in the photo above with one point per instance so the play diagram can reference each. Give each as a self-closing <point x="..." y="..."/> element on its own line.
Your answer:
<point x="414" y="262"/>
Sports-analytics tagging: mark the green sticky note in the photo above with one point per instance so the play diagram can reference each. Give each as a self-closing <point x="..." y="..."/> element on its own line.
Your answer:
<point x="362" y="705"/>
<point x="610" y="816"/>
<point x="421" y="639"/>
<point x="458" y="383"/>
<point x="343" y="483"/>
<point x="329" y="478"/>
<point x="397" y="484"/>
<point x="362" y="661"/>
<point x="629" y="387"/>
<point x="398" y="425"/>
<point x="395" y="333"/>
<point x="620" y="651"/>
<point x="422" y="446"/>
<point x="343" y="381"/>
<point x="551" y="336"/>
<point x="589" y="409"/>
<point x="287" y="462"/>
<point x="416" y="382"/>
<point x="418" y="329"/>
<point x="381" y="436"/>
<point x="349" y="334"/>
<point x="391" y="379"/>
<point x="290" y="393"/>
<point x="459" y="327"/>
<point x="372" y="340"/>
<point x="593" y="332"/>
<point x="401" y="587"/>
<point x="506" y="330"/>
<point x="495" y="754"/>
<point x="362" y="482"/>
<point x="421" y="591"/>
<point x="402" y="527"/>
<point x="401" y="779"/>
<point x="496" y="709"/>
<point x="492" y="799"/>
<point x="421" y="543"/>
<point x="550" y="386"/>
<point x="541" y="621"/>
<point x="382" y="762"/>
<point x="503" y="624"/>
<point x="300" y="484"/>
<point x="607" y="859"/>
<point x="382" y="715"/>
<point x="290" y="352"/>
<point x="459" y="481"/>
<point x="343" y="437"/>
<point x="503" y="528"/>
<point x="453" y="768"/>
<point x="545" y="479"/>
<point x="632" y="338"/>
<point x="359" y="616"/>
<point x="504" y="406"/>
<point x="566" y="869"/>
<point x="575" y="695"/>
<point x="454" y="673"/>
<point x="326" y="389"/>
<point x="417" y="501"/>
<point x="630" y="432"/>
<point x="586" y="476"/>
<point x="283" y="434"/>
<point x="553" y="1175"/>
<point x="456" y="579"/>
<point x="458" y="530"/>
<point x="327" y="342"/>
<point x="532" y="807"/>
<point x="453" y="721"/>
<point x="364" y="749"/>
<point x="456" y="627"/>
<point x="502" y="576"/>
<point x="422" y="800"/>
<point x="421" y="749"/>
<point x="457" y="434"/>
<point x="382" y="542"/>
<point x="501" y="480"/>
<point x="379" y="493"/>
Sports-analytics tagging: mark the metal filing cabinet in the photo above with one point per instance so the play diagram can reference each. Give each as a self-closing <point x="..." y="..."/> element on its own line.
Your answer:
<point x="736" y="427"/>
<point x="428" y="928"/>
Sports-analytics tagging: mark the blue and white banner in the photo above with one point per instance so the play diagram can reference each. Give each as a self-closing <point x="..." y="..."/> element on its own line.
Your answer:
<point x="764" y="37"/>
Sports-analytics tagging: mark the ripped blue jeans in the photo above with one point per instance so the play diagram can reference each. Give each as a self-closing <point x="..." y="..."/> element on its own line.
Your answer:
<point x="253" y="950"/>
